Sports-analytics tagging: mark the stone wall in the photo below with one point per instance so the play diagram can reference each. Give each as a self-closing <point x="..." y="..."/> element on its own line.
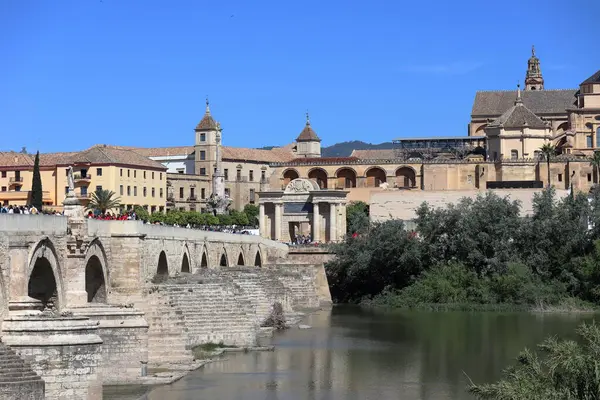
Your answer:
<point x="17" y="379"/>
<point x="403" y="204"/>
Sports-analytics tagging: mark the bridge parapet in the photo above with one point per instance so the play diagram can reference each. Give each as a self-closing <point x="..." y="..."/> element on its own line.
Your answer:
<point x="42" y="224"/>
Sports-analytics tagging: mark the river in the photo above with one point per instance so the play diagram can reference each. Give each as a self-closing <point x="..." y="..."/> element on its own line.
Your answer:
<point x="355" y="354"/>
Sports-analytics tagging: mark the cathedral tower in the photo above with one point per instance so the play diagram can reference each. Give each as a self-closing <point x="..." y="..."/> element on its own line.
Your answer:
<point x="206" y="145"/>
<point x="308" y="143"/>
<point x="533" y="78"/>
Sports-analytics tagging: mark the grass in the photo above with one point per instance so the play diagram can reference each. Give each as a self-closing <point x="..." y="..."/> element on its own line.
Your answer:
<point x="206" y="350"/>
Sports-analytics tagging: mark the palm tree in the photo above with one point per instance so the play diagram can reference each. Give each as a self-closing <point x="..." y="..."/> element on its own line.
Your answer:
<point x="548" y="150"/>
<point x="595" y="163"/>
<point x="103" y="200"/>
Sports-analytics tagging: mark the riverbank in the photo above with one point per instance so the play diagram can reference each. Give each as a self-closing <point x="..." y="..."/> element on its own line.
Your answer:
<point x="391" y="301"/>
<point x="204" y="355"/>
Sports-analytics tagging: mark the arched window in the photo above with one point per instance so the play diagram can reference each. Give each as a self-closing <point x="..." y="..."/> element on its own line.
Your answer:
<point x="514" y="154"/>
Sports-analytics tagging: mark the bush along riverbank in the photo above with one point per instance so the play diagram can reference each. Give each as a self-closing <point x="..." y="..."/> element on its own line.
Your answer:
<point x="478" y="254"/>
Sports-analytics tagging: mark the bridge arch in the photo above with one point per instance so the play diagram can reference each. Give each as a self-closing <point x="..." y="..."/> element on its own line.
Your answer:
<point x="186" y="260"/>
<point x="240" y="260"/>
<point x="258" y="259"/>
<point x="97" y="276"/>
<point x="223" y="262"/>
<point x="203" y="257"/>
<point x="44" y="273"/>
<point x="162" y="266"/>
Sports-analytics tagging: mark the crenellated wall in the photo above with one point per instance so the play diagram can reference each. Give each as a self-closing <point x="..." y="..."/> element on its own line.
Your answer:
<point x="125" y="294"/>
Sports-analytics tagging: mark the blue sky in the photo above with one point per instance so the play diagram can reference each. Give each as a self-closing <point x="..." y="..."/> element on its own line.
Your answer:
<point x="79" y="72"/>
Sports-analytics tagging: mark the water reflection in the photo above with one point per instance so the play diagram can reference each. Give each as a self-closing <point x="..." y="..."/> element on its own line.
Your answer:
<point x="355" y="354"/>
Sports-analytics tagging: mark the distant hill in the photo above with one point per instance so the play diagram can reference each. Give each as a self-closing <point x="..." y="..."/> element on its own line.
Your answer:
<point x="344" y="149"/>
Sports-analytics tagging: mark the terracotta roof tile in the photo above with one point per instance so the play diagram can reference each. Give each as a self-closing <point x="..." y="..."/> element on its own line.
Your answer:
<point x="276" y="154"/>
<point x="374" y="154"/>
<point x="164" y="151"/>
<point x="13" y="159"/>
<point x="207" y="122"/>
<point x="519" y="116"/>
<point x="100" y="154"/>
<point x="307" y="134"/>
<point x="329" y="160"/>
<point x="496" y="103"/>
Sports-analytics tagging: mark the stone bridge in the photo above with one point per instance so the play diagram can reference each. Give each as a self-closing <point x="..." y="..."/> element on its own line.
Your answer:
<point x="88" y="302"/>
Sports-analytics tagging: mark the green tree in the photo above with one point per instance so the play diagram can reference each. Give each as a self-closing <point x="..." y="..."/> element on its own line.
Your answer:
<point x="103" y="200"/>
<point x="595" y="163"/>
<point x="36" y="184"/>
<point x="251" y="212"/>
<point x="211" y="219"/>
<point x="141" y="213"/>
<point x="225" y="219"/>
<point x="239" y="218"/>
<point x="567" y="369"/>
<point x="548" y="152"/>
<point x="357" y="217"/>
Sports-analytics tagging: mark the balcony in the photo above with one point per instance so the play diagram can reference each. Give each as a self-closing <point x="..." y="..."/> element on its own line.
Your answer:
<point x="193" y="197"/>
<point x="81" y="178"/>
<point x="83" y="196"/>
<point x="16" y="181"/>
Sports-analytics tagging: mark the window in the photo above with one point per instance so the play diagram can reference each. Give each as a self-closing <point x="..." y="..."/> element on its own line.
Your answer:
<point x="181" y="193"/>
<point x="560" y="177"/>
<point x="226" y="192"/>
<point x="121" y="190"/>
<point x="251" y="176"/>
<point x="152" y="174"/>
<point x="160" y="208"/>
<point x="202" y="171"/>
<point x="98" y="189"/>
<point x="18" y="189"/>
<point x="83" y="191"/>
<point x="263" y="175"/>
<point x="153" y="209"/>
<point x="3" y="188"/>
<point x="66" y="172"/>
<point x="121" y="172"/>
<point x="202" y="193"/>
<point x="160" y="193"/>
<point x="514" y="154"/>
<point x="128" y="190"/>
<point x="98" y="171"/>
<point x="153" y="193"/>
<point x="589" y="142"/>
<point x="4" y="174"/>
<point x="598" y="137"/>
<point x="589" y="176"/>
<point x="134" y="173"/>
<point x="160" y="176"/>
<point x="144" y="191"/>
<point x="239" y="175"/>
<point x="128" y="173"/>
<point x="203" y="137"/>
<point x="537" y="154"/>
<point x="252" y="196"/>
<point x="202" y="155"/>
<point x="144" y="174"/>
<point x="192" y="194"/>
<point x="226" y="174"/>
<point x="135" y="190"/>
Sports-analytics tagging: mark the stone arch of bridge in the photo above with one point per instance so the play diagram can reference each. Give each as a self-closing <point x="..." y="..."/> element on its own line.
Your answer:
<point x="186" y="260"/>
<point x="258" y="258"/>
<point x="223" y="258"/>
<point x="240" y="260"/>
<point x="203" y="257"/>
<point x="162" y="265"/>
<point x="97" y="274"/>
<point x="45" y="279"/>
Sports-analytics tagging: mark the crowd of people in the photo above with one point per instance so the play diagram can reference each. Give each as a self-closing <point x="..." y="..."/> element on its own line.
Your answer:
<point x="10" y="209"/>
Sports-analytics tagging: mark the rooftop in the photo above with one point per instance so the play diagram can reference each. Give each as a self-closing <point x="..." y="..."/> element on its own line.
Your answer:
<point x="495" y="103"/>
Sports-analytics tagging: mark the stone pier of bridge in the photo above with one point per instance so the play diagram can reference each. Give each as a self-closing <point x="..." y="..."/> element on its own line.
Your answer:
<point x="85" y="303"/>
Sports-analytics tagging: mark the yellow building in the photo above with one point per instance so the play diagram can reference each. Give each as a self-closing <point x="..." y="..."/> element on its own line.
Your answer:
<point x="134" y="178"/>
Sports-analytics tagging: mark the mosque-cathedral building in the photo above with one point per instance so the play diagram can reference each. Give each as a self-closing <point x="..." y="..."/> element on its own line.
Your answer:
<point x="499" y="151"/>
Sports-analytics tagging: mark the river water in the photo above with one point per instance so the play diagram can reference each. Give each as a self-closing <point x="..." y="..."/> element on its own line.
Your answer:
<point x="350" y="353"/>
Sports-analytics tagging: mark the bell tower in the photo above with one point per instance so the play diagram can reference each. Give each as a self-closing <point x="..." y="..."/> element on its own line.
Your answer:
<point x="205" y="148"/>
<point x="533" y="78"/>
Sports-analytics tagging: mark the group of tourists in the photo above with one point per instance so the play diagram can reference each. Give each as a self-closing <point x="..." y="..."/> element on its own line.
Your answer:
<point x="302" y="240"/>
<point x="108" y="216"/>
<point x="10" y="209"/>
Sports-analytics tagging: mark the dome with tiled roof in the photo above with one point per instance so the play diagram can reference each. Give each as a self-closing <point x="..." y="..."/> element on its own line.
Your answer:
<point x="519" y="116"/>
<point x="307" y="134"/>
<point x="207" y="123"/>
